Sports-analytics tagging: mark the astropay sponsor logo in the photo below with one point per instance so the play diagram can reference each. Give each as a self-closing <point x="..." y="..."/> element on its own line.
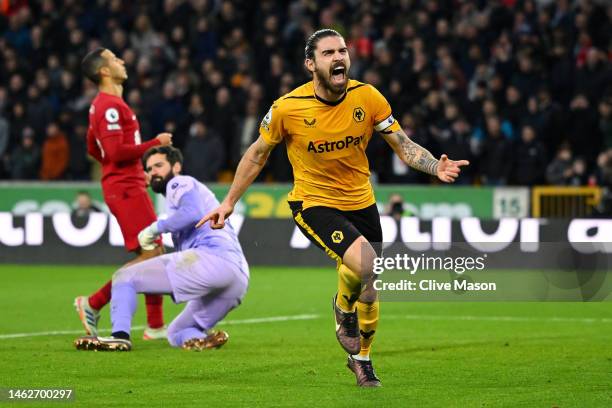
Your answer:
<point x="326" y="146"/>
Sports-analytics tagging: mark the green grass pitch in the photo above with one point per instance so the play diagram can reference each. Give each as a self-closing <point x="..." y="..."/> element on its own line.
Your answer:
<point x="427" y="354"/>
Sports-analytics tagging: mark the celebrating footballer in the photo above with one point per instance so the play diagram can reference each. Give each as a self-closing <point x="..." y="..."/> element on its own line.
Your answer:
<point x="326" y="125"/>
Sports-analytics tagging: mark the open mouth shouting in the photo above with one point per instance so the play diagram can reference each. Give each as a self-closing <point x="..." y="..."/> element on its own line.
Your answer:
<point x="338" y="75"/>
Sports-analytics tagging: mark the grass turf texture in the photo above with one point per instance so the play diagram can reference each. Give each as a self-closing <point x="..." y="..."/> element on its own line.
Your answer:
<point x="427" y="354"/>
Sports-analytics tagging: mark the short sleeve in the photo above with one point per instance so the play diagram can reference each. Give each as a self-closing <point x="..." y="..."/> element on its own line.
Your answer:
<point x="381" y="112"/>
<point x="271" y="127"/>
<point x="108" y="120"/>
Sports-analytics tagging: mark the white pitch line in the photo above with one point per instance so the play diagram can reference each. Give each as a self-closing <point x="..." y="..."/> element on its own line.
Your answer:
<point x="228" y="322"/>
<point x="502" y="318"/>
<point x="272" y="319"/>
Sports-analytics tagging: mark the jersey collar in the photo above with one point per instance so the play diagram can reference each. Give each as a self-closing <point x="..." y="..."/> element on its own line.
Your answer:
<point x="330" y="103"/>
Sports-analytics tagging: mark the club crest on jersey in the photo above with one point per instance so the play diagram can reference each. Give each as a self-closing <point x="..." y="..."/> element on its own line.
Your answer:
<point x="265" y="122"/>
<point x="337" y="237"/>
<point x="326" y="146"/>
<point x="358" y="114"/>
<point x="174" y="185"/>
<point x="310" y="124"/>
<point x="111" y="115"/>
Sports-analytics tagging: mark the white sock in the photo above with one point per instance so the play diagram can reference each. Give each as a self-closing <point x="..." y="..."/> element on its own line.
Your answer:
<point x="361" y="358"/>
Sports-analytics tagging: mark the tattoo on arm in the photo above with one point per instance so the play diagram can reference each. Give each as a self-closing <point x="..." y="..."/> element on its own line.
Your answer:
<point x="416" y="156"/>
<point x="257" y="162"/>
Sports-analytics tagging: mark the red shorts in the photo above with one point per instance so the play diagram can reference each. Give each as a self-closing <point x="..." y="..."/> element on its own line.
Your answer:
<point x="134" y="211"/>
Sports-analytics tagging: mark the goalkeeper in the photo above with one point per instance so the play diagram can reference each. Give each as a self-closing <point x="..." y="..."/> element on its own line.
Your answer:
<point x="208" y="270"/>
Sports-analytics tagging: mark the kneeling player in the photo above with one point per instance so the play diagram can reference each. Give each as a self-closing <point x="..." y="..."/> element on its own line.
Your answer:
<point x="208" y="270"/>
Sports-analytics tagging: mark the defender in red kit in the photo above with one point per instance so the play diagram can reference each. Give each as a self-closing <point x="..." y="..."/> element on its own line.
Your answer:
<point x="113" y="138"/>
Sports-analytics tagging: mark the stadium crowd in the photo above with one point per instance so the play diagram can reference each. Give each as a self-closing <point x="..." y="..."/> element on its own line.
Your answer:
<point x="521" y="88"/>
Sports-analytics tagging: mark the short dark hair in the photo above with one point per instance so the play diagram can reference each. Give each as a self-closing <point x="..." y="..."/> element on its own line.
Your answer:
<point x="92" y="63"/>
<point x="313" y="40"/>
<point x="173" y="155"/>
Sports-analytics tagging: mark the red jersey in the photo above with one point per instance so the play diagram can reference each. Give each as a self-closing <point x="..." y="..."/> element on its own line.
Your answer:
<point x="113" y="138"/>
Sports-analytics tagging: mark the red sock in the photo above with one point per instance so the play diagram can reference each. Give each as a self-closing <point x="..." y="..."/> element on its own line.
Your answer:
<point x="155" y="312"/>
<point x="101" y="298"/>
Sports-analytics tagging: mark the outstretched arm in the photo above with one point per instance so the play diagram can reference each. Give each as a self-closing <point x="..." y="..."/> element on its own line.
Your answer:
<point x="249" y="167"/>
<point x="419" y="158"/>
<point x="188" y="214"/>
<point x="117" y="151"/>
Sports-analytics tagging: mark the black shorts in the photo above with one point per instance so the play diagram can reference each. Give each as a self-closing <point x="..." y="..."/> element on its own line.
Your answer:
<point x="335" y="230"/>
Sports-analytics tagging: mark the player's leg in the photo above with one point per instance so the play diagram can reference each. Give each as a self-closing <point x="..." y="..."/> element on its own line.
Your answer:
<point x="133" y="213"/>
<point x="149" y="276"/>
<point x="184" y="326"/>
<point x="333" y="231"/>
<point x="367" y="222"/>
<point x="192" y="329"/>
<point x="88" y="308"/>
<point x="219" y="284"/>
<point x="330" y="230"/>
<point x="349" y="288"/>
<point x="155" y="320"/>
<point x="360" y="257"/>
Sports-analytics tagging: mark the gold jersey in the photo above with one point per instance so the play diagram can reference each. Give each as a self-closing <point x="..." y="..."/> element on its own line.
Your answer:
<point x="326" y="143"/>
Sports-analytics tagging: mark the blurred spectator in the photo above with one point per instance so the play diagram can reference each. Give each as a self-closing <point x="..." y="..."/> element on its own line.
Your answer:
<point x="526" y="79"/>
<point x="39" y="111"/>
<point x="24" y="162"/>
<point x="550" y="120"/>
<point x="514" y="107"/>
<point x="5" y="135"/>
<point x="579" y="175"/>
<point x="496" y="155"/>
<point x="605" y="122"/>
<point x="168" y="108"/>
<point x="529" y="164"/>
<point x="55" y="154"/>
<point x="79" y="164"/>
<point x="582" y="129"/>
<point x="204" y="153"/>
<point x="604" y="169"/>
<point x="84" y="205"/>
<point x="559" y="171"/>
<point x="544" y="64"/>
<point x="248" y="131"/>
<point x="595" y="76"/>
<point x="395" y="207"/>
<point x="223" y="119"/>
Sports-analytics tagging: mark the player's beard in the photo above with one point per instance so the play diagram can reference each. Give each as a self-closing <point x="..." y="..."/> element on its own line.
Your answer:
<point x="158" y="184"/>
<point x="324" y="78"/>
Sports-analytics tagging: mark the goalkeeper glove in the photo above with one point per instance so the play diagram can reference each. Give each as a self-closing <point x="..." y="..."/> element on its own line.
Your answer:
<point x="147" y="237"/>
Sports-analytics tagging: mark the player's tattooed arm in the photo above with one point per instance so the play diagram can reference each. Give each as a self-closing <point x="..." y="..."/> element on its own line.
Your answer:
<point x="411" y="153"/>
